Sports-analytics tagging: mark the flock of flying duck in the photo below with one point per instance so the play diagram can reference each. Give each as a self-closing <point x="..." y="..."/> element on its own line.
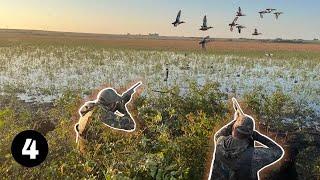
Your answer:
<point x="232" y="25"/>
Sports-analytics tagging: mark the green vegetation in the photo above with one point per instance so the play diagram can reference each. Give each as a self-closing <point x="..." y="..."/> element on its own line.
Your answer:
<point x="308" y="163"/>
<point x="172" y="140"/>
<point x="279" y="112"/>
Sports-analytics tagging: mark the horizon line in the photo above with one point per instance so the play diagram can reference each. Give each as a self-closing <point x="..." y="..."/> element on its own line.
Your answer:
<point x="152" y="34"/>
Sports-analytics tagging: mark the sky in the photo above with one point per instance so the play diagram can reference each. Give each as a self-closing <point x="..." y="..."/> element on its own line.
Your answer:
<point x="300" y="20"/>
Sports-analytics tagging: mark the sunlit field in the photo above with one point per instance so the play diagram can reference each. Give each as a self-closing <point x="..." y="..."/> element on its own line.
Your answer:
<point x="185" y="99"/>
<point x="39" y="73"/>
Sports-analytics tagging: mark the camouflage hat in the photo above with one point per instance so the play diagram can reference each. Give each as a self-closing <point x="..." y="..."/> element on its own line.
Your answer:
<point x="108" y="96"/>
<point x="245" y="126"/>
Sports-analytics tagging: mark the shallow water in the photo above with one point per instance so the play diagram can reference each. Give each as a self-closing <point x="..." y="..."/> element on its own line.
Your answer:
<point x="43" y="74"/>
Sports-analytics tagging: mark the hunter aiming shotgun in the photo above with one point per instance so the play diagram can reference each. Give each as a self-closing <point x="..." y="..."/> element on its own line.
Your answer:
<point x="108" y="109"/>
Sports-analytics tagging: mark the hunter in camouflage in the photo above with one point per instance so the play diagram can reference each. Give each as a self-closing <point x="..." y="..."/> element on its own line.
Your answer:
<point x="109" y="109"/>
<point x="236" y="157"/>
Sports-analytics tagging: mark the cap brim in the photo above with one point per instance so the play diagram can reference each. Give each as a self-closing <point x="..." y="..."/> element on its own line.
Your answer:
<point x="244" y="131"/>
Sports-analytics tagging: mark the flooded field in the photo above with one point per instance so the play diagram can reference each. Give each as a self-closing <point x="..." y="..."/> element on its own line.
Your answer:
<point x="42" y="74"/>
<point x="43" y="83"/>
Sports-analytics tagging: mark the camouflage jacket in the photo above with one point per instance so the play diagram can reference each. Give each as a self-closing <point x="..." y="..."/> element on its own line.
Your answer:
<point x="239" y="159"/>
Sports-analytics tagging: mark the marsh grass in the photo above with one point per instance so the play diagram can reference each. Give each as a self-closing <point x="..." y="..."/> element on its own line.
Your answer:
<point x="175" y="125"/>
<point x="42" y="70"/>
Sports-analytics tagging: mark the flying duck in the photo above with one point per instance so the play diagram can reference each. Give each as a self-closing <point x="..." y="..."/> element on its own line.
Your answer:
<point x="239" y="12"/>
<point x="277" y="14"/>
<point x="233" y="24"/>
<point x="239" y="27"/>
<point x="178" y="21"/>
<point x="256" y="33"/>
<point x="262" y="13"/>
<point x="204" y="41"/>
<point x="204" y="26"/>
<point x="269" y="10"/>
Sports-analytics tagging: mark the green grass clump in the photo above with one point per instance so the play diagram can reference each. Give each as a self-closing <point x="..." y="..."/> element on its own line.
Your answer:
<point x="308" y="163"/>
<point x="279" y="111"/>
